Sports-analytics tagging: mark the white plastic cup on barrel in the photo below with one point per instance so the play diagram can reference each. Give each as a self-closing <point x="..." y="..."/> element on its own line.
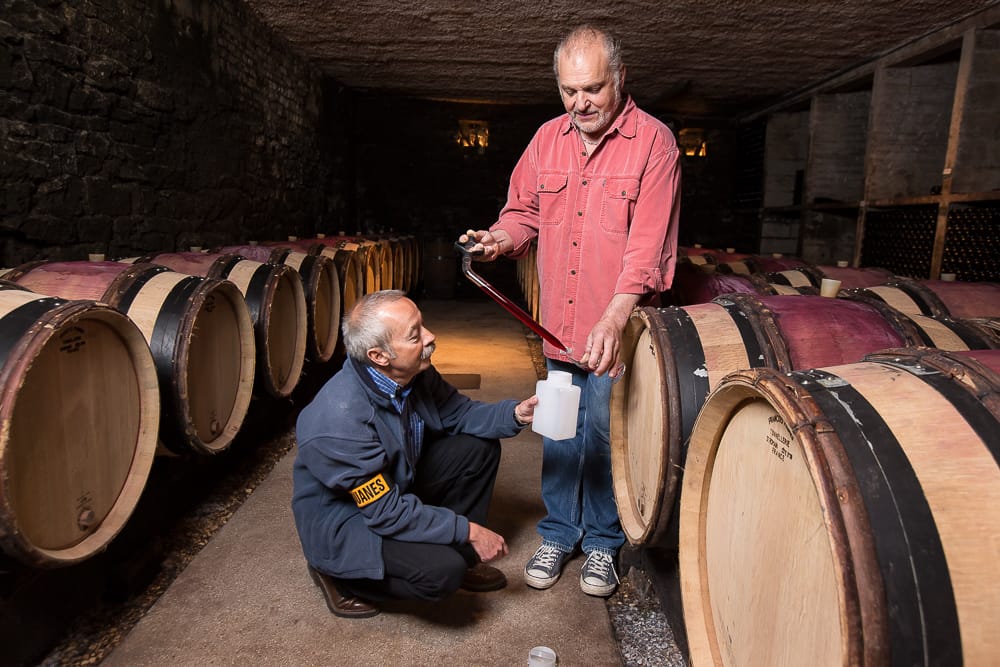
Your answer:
<point x="95" y="256"/>
<point x="542" y="656"/>
<point x="842" y="263"/>
<point x="948" y="277"/>
<point x="829" y="287"/>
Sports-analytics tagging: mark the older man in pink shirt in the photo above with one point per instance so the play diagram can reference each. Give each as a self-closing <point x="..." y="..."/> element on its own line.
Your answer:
<point x="599" y="187"/>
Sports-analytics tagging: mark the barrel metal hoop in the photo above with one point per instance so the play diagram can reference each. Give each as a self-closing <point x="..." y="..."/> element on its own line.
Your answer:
<point x="123" y="302"/>
<point x="256" y="288"/>
<point x="692" y="376"/>
<point x="19" y="322"/>
<point x="923" y="627"/>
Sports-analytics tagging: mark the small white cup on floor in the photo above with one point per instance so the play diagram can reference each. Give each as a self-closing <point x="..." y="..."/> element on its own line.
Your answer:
<point x="829" y="287"/>
<point x="948" y="277"/>
<point x="96" y="257"/>
<point x="842" y="263"/>
<point x="542" y="656"/>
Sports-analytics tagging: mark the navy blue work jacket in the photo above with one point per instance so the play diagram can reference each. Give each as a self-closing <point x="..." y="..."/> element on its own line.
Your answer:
<point x="348" y="435"/>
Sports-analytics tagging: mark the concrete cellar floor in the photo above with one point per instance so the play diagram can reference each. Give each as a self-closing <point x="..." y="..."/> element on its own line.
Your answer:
<point x="246" y="598"/>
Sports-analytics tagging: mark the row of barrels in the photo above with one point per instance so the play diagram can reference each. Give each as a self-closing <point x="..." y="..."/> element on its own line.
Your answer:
<point x="728" y="437"/>
<point x="103" y="364"/>
<point x="825" y="469"/>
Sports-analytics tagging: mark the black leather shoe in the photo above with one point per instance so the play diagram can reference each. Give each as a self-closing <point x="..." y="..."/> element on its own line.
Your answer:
<point x="345" y="606"/>
<point x="482" y="578"/>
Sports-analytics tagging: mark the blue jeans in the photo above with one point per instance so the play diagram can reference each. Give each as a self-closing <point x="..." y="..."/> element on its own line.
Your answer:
<point x="576" y="474"/>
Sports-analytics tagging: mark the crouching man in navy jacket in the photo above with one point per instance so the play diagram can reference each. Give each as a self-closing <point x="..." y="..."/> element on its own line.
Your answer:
<point x="395" y="469"/>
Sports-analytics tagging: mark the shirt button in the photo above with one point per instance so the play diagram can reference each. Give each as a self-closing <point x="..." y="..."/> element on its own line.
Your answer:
<point x="580" y="213"/>
<point x="573" y="272"/>
<point x="574" y="244"/>
<point x="541" y="187"/>
<point x="571" y="300"/>
<point x="585" y="182"/>
<point x="623" y="193"/>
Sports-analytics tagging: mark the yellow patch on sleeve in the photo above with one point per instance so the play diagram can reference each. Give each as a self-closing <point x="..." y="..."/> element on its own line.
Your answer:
<point x="370" y="491"/>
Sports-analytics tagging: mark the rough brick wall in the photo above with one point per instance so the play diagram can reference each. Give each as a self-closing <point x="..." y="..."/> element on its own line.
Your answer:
<point x="839" y="129"/>
<point x="129" y="126"/>
<point x="977" y="164"/>
<point x="909" y="136"/>
<point x="785" y="149"/>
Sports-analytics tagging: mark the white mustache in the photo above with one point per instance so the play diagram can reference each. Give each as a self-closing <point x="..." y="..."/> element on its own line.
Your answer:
<point x="428" y="351"/>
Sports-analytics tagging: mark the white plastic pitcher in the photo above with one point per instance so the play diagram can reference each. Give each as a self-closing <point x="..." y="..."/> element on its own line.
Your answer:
<point x="558" y="404"/>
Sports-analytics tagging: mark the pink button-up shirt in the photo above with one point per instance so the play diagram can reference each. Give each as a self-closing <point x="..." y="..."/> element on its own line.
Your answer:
<point x="606" y="224"/>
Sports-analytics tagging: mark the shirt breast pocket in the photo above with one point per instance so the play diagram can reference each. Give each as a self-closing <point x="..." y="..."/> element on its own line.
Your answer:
<point x="620" y="195"/>
<point x="552" y="196"/>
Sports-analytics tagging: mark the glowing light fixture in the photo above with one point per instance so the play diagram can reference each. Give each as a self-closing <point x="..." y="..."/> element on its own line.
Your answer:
<point x="473" y="134"/>
<point x="692" y="141"/>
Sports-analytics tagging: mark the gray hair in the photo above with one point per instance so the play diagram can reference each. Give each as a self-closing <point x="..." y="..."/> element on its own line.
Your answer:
<point x="587" y="34"/>
<point x="364" y="328"/>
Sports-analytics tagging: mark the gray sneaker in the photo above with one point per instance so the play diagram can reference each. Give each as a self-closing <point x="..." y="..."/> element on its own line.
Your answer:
<point x="598" y="576"/>
<point x="543" y="569"/>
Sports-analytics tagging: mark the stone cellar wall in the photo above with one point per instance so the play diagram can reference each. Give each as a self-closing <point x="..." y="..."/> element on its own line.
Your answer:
<point x="144" y="125"/>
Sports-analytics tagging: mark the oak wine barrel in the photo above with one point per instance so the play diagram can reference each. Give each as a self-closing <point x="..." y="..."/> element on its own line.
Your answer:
<point x="693" y="255"/>
<point x="79" y="413"/>
<point x="692" y="285"/>
<point x="847" y="514"/>
<point x="743" y="266"/>
<point x="676" y="356"/>
<point x="277" y="304"/>
<point x="854" y="278"/>
<point x="802" y="276"/>
<point x="375" y="260"/>
<point x="321" y="283"/>
<point x="199" y="332"/>
<point x="965" y="300"/>
<point x="351" y="263"/>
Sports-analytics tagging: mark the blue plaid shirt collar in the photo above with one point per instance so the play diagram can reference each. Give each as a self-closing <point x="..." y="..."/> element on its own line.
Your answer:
<point x="396" y="393"/>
